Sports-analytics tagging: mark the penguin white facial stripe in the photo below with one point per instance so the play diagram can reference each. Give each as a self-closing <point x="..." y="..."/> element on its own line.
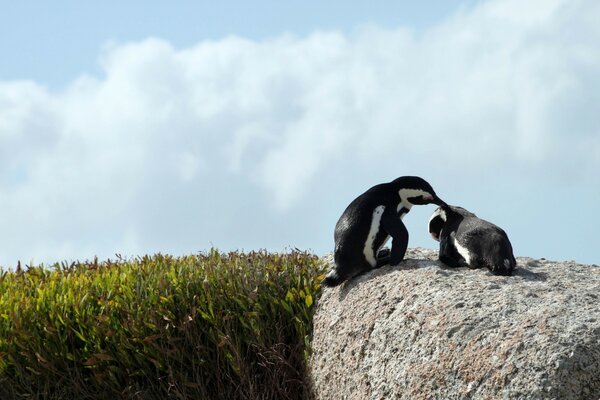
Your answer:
<point x="405" y="194"/>
<point x="463" y="251"/>
<point x="375" y="226"/>
<point x="403" y="204"/>
<point x="438" y="213"/>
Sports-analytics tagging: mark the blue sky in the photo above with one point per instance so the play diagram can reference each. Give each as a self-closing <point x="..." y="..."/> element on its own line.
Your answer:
<point x="52" y="43"/>
<point x="173" y="127"/>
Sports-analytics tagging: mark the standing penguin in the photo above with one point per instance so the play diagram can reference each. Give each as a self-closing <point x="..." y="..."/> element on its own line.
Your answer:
<point x="468" y="241"/>
<point x="370" y="220"/>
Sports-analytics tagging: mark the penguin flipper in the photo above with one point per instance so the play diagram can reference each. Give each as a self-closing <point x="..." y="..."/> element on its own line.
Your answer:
<point x="448" y="254"/>
<point x="383" y="257"/>
<point x="394" y="226"/>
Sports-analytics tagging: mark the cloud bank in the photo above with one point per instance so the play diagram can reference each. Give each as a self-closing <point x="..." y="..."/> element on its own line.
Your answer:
<point x="239" y="143"/>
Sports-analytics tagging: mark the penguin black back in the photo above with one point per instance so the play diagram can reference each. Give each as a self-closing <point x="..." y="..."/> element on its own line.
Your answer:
<point x="370" y="220"/>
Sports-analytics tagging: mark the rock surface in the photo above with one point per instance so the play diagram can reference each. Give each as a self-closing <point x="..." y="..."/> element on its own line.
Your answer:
<point x="423" y="331"/>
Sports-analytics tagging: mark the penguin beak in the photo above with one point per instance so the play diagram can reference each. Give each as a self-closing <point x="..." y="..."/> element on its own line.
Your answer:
<point x="436" y="200"/>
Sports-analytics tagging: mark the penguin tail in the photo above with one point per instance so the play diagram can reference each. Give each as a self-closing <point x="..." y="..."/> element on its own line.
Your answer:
<point x="510" y="263"/>
<point x="332" y="279"/>
<point x="505" y="267"/>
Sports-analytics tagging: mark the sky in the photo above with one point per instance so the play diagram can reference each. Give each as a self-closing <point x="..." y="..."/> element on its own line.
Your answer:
<point x="175" y="127"/>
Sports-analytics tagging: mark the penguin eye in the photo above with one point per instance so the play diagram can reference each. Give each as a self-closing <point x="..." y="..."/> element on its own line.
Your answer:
<point x="415" y="200"/>
<point x="421" y="199"/>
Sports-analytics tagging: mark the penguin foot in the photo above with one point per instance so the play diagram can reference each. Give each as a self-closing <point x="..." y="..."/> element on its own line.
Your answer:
<point x="383" y="257"/>
<point x="332" y="279"/>
<point x="385" y="252"/>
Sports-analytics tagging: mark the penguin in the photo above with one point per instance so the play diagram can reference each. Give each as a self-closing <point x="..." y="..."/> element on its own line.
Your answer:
<point x="370" y="220"/>
<point x="469" y="241"/>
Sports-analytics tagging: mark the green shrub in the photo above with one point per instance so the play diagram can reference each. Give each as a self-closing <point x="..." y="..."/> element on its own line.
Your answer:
<point x="211" y="326"/>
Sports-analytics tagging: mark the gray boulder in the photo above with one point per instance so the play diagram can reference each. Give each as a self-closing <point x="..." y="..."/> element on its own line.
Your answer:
<point x="423" y="331"/>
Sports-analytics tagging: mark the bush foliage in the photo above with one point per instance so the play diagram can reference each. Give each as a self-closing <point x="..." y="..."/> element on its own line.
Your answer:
<point x="208" y="326"/>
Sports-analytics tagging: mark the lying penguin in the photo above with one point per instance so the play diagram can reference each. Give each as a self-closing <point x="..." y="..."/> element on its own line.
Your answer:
<point x="468" y="241"/>
<point x="370" y="220"/>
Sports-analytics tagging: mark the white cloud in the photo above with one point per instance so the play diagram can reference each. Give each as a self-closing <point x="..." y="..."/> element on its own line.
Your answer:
<point x="167" y="150"/>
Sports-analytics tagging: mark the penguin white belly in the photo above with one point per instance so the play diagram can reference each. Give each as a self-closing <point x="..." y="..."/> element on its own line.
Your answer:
<point x="463" y="251"/>
<point x="368" y="250"/>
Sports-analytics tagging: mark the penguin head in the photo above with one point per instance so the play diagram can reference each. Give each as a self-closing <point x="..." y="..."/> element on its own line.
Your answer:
<point x="416" y="191"/>
<point x="444" y="214"/>
<point x="437" y="222"/>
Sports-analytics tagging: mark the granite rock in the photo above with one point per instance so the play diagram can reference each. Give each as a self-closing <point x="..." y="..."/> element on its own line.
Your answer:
<point x="421" y="330"/>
